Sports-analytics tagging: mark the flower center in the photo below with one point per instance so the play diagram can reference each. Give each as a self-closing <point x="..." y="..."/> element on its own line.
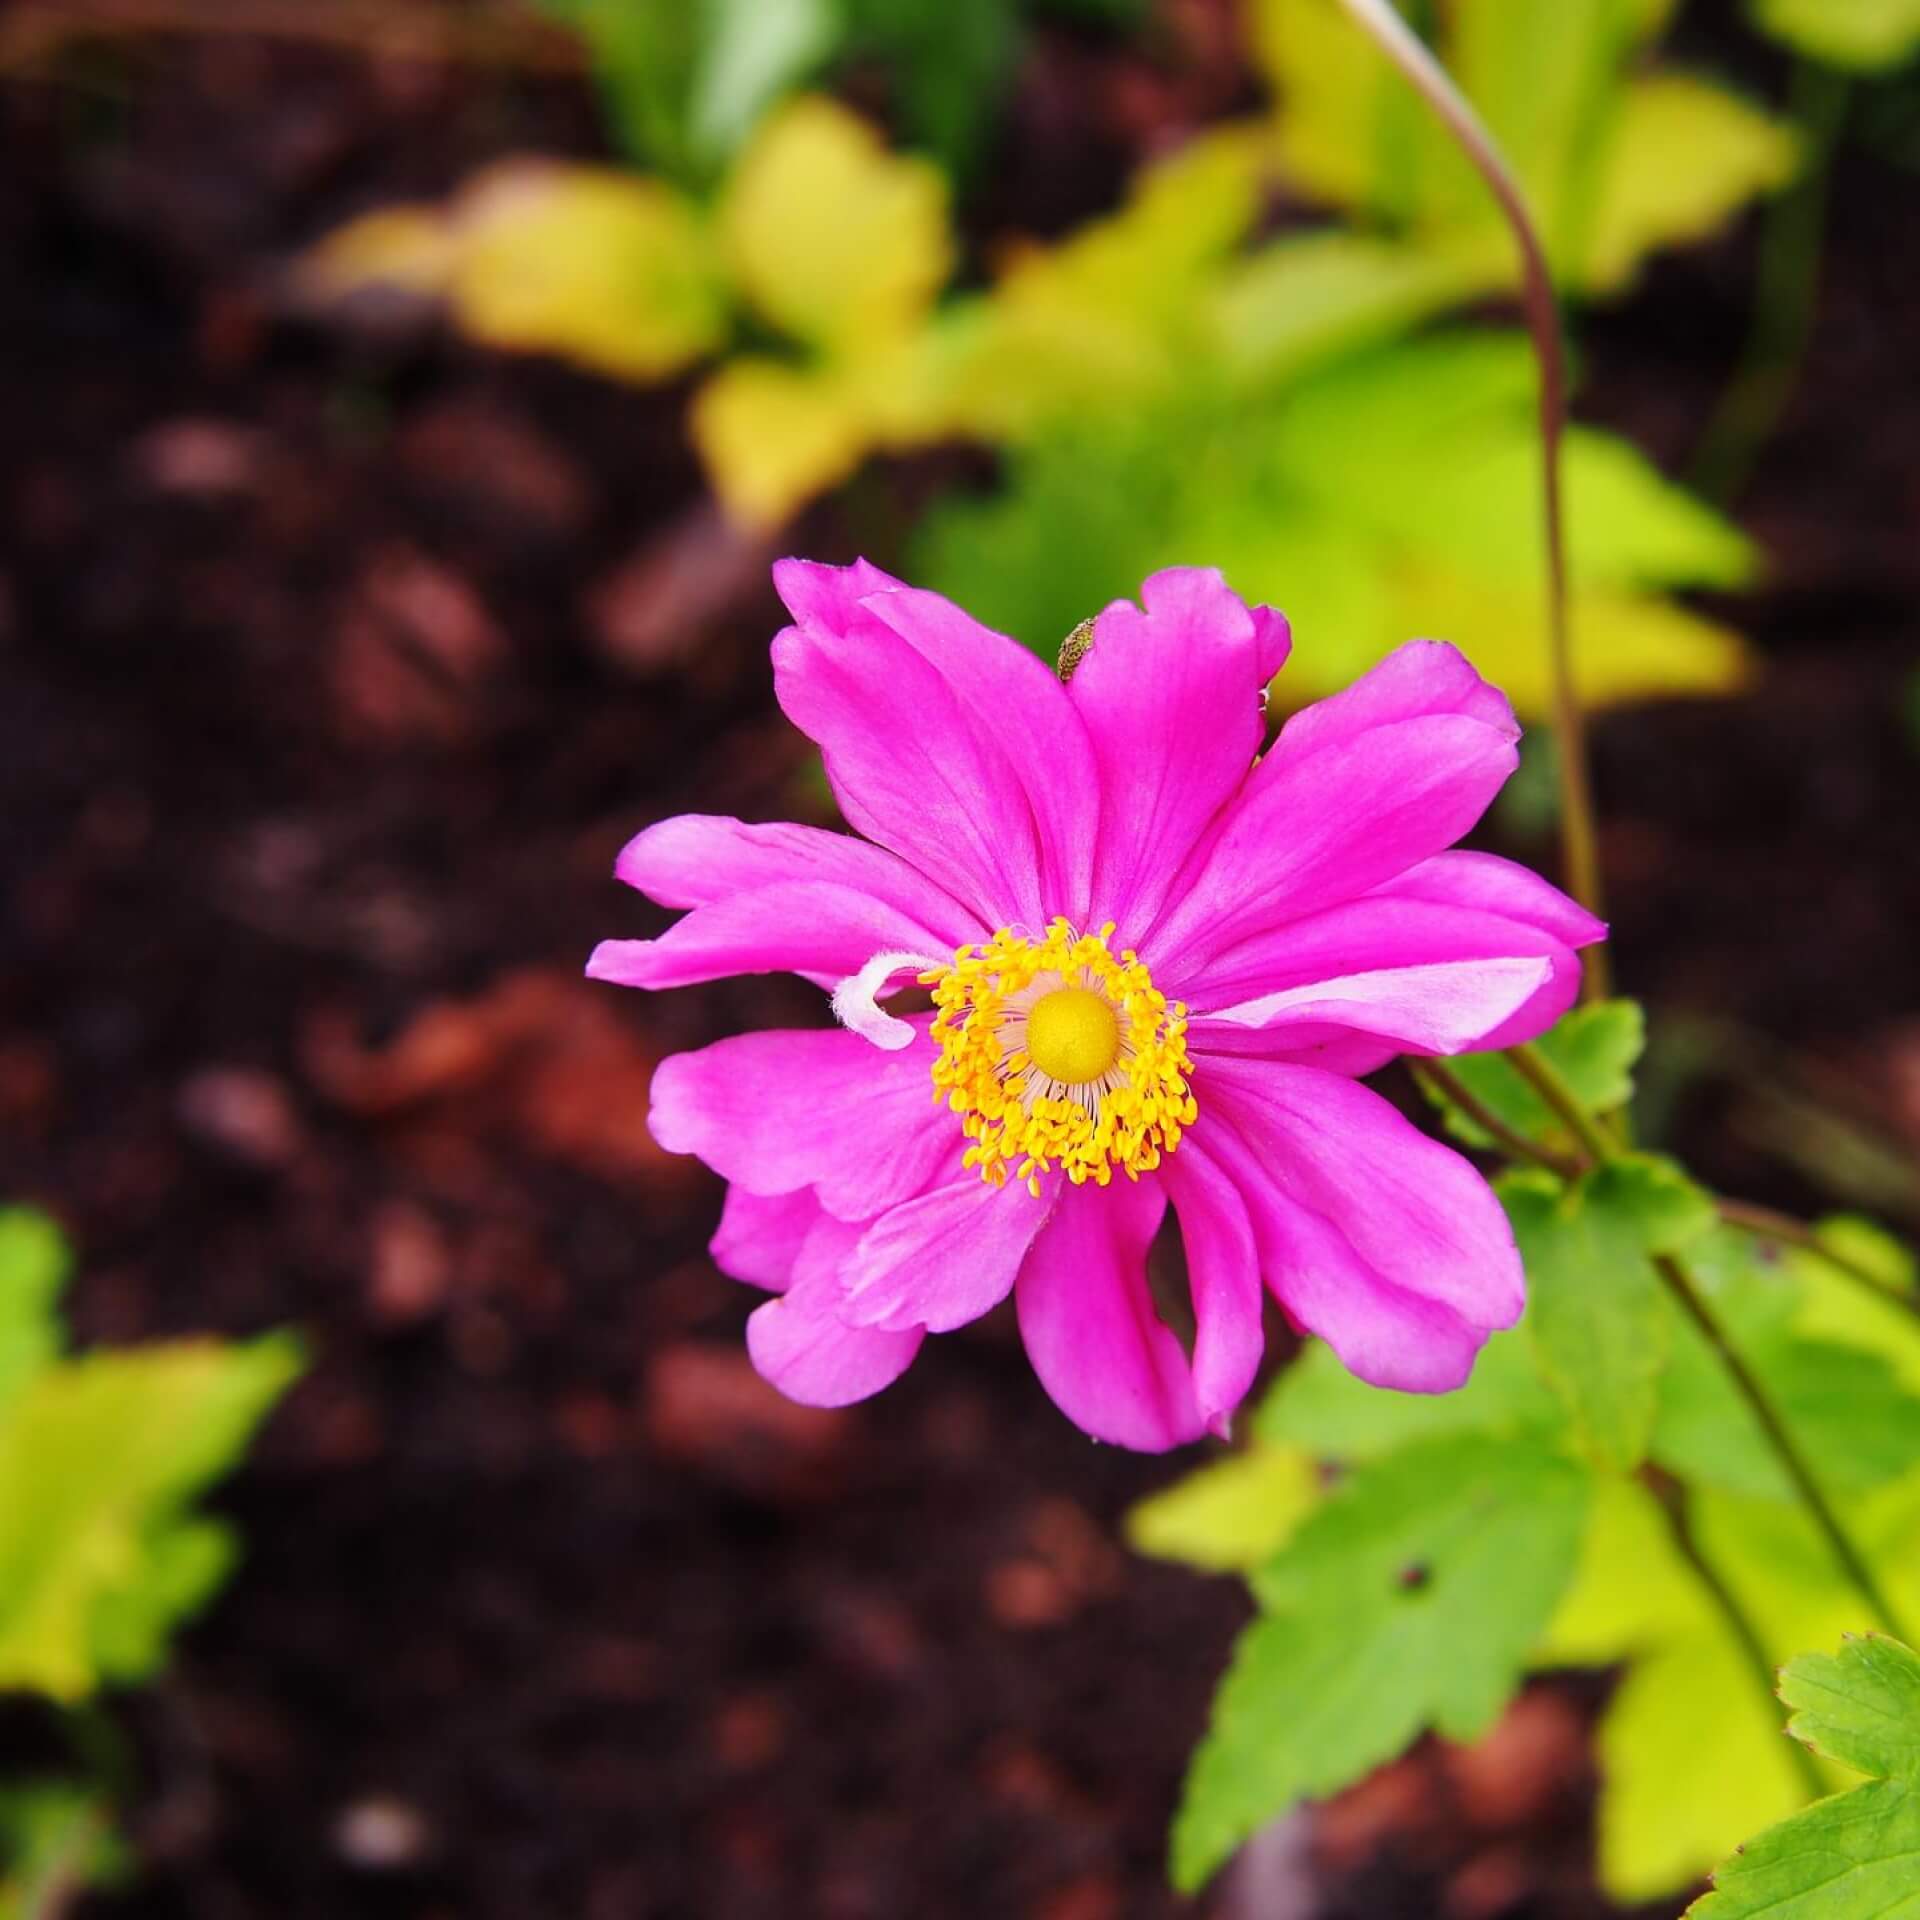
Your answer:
<point x="1056" y="1052"/>
<point x="1073" y="1035"/>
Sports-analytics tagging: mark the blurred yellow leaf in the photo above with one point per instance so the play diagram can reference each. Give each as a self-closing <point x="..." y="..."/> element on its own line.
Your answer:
<point x="603" y="268"/>
<point x="1115" y="310"/>
<point x="1685" y="155"/>
<point x="1866" y="35"/>
<point x="100" y="1458"/>
<point x="1614" y="166"/>
<point x="773" y="435"/>
<point x="831" y="237"/>
<point x="1626" y="646"/>
<point x="412" y="249"/>
<point x="1230" y="1515"/>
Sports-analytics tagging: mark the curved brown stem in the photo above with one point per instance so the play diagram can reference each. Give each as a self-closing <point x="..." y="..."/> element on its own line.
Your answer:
<point x="1580" y="839"/>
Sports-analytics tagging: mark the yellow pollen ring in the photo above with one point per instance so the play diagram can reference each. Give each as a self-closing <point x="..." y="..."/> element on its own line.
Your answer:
<point x="1073" y="1035"/>
<point x="1058" y="1053"/>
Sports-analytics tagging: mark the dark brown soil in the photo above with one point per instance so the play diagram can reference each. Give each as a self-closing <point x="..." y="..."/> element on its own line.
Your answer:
<point x="331" y="678"/>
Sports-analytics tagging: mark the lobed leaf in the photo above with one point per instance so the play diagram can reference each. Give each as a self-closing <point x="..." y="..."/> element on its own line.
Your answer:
<point x="1599" y="1321"/>
<point x="1409" y="1599"/>
<point x="1595" y="1049"/>
<point x="1854" y="1856"/>
<point x="99" y="1460"/>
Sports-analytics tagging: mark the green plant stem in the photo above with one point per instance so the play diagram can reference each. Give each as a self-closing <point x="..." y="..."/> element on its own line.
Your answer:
<point x="1765" y="1224"/>
<point x="1851" y="1561"/>
<point x="1448" y="1085"/>
<point x="1786" y="295"/>
<point x="1546" y="1080"/>
<point x="1579" y="835"/>
<point x="1673" y="1503"/>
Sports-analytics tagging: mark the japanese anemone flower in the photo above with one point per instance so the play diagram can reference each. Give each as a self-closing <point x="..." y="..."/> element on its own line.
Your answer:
<point x="1159" y="962"/>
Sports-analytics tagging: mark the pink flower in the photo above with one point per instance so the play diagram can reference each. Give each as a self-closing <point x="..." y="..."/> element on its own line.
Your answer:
<point x="1158" y="966"/>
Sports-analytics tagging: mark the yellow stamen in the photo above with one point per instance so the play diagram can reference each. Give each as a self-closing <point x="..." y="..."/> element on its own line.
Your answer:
<point x="1057" y="1053"/>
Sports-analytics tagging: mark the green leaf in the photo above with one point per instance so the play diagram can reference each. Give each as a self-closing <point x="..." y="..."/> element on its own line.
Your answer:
<point x="950" y="66"/>
<point x="1319" y="1405"/>
<point x="1685" y="157"/>
<point x="1851" y="1857"/>
<point x="1229" y="1515"/>
<point x="1866" y="35"/>
<point x="1846" y="1406"/>
<point x="1597" y="1315"/>
<point x="34" y="1261"/>
<point x="1595" y="1049"/>
<point x="755" y="51"/>
<point x="100" y="1458"/>
<point x="1409" y="1599"/>
<point x="56" y="1840"/>
<point x="1690" y="1753"/>
<point x="1863" y="1244"/>
<point x="1614" y="164"/>
<point x="1373" y="498"/>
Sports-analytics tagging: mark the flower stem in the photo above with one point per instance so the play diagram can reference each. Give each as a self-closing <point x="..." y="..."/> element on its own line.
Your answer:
<point x="1672" y="1498"/>
<point x="1443" y="1081"/>
<point x="1546" y="1080"/>
<point x="1765" y="1224"/>
<point x="1579" y="837"/>
<point x="1851" y="1561"/>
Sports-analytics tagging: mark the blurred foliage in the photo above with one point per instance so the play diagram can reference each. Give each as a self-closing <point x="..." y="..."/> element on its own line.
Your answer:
<point x="102" y="1550"/>
<point x="820" y="258"/>
<point x="1458" y="1514"/>
<point x="1171" y="382"/>
<point x="1850" y="1857"/>
<point x="1616" y="161"/>
<point x="1862" y="35"/>
<point x="1378" y="498"/>
<point x="56" y="1839"/>
<point x="686" y="82"/>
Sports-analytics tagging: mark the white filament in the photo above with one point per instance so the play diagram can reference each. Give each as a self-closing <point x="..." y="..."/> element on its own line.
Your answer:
<point x="856" y="1000"/>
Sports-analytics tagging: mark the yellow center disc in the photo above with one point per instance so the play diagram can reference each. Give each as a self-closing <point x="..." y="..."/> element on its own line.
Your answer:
<point x="1072" y="1035"/>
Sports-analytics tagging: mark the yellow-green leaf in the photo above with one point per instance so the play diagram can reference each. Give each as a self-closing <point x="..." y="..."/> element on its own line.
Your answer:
<point x="1685" y="156"/>
<point x="99" y="1459"/>
<point x="773" y="435"/>
<point x="831" y="237"/>
<point x="412" y="249"/>
<point x="612" y="271"/>
<point x="1864" y="34"/>
<point x="1230" y="1515"/>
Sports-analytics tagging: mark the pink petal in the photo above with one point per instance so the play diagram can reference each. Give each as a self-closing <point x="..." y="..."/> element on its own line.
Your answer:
<point x="947" y="742"/>
<point x="801" y="1345"/>
<point x="697" y="859"/>
<point x="1171" y="697"/>
<point x="1321" y="827"/>
<point x="1377" y="1237"/>
<point x="1485" y="883"/>
<point x="759" y="1235"/>
<point x="1399" y="939"/>
<point x="801" y="926"/>
<point x="1416" y="681"/>
<point x="1450" y="1006"/>
<point x="1019" y="702"/>
<point x="1272" y="641"/>
<point x="943" y="1259"/>
<point x="1223" y="1272"/>
<point x="1089" y="1325"/>
<point x="778" y="1111"/>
